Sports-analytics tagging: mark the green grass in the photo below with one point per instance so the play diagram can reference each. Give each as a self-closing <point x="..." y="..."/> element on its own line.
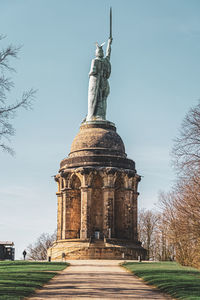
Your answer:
<point x="178" y="281"/>
<point x="19" y="279"/>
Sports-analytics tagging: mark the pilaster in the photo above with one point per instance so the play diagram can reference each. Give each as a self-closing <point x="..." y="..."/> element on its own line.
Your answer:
<point x="108" y="221"/>
<point x="84" y="212"/>
<point x="59" y="216"/>
<point x="64" y="217"/>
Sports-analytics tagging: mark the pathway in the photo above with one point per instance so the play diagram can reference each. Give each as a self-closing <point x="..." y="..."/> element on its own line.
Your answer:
<point x="96" y="279"/>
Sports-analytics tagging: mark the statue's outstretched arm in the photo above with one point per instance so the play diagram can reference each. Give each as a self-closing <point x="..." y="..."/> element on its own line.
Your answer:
<point x="108" y="50"/>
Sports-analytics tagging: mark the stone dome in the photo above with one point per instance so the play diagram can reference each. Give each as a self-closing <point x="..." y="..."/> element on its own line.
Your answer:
<point x="102" y="138"/>
<point x="97" y="144"/>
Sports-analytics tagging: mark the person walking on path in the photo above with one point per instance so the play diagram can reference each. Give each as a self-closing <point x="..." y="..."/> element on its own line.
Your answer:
<point x="24" y="254"/>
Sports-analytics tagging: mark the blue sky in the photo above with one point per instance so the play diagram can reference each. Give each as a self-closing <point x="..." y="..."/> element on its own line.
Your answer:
<point x="154" y="81"/>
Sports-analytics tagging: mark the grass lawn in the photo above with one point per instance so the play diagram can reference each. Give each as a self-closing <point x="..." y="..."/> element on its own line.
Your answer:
<point x="180" y="282"/>
<point x="19" y="279"/>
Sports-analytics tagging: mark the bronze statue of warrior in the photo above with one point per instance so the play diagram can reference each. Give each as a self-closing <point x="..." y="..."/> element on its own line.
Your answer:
<point x="99" y="89"/>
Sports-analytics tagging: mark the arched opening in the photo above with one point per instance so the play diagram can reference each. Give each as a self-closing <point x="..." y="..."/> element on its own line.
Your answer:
<point x="73" y="209"/>
<point x="97" y="206"/>
<point x="119" y="208"/>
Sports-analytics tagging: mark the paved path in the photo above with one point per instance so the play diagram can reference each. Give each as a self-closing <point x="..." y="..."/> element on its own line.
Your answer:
<point x="96" y="279"/>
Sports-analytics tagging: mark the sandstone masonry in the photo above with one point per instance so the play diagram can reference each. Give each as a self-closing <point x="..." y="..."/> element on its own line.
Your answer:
<point x="97" y="198"/>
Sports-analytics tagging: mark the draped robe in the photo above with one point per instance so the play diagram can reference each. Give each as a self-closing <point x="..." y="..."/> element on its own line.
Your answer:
<point x="98" y="89"/>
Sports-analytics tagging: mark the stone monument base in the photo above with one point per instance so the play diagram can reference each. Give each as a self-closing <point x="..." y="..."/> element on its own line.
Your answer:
<point x="63" y="250"/>
<point x="97" y="198"/>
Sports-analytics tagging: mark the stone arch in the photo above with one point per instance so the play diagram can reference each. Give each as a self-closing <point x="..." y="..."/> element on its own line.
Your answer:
<point x="90" y="178"/>
<point x="58" y="181"/>
<point x="119" y="207"/>
<point x="116" y="178"/>
<point x="75" y="182"/>
<point x="97" y="204"/>
<point x="73" y="208"/>
<point x="72" y="177"/>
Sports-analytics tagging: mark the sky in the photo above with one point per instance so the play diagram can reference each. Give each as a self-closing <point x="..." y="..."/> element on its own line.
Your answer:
<point x="154" y="82"/>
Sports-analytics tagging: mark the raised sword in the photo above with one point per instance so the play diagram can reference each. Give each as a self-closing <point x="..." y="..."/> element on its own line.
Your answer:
<point x="110" y="23"/>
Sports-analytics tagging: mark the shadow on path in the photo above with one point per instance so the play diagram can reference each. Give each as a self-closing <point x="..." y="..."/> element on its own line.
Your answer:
<point x="96" y="279"/>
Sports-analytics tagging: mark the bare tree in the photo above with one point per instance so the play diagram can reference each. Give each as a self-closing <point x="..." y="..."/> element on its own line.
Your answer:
<point x="38" y="250"/>
<point x="167" y="202"/>
<point x="186" y="150"/>
<point x="181" y="206"/>
<point x="7" y="110"/>
<point x="154" y="234"/>
<point x="147" y="222"/>
<point x="181" y="212"/>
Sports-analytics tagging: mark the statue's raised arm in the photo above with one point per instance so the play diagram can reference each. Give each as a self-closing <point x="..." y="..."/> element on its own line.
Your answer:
<point x="108" y="50"/>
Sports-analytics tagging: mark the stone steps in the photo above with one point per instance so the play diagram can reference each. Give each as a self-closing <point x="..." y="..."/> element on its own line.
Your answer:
<point x="97" y="244"/>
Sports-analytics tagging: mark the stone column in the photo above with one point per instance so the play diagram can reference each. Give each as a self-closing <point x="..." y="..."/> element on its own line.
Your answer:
<point x="64" y="216"/>
<point x="126" y="213"/>
<point x="59" y="216"/>
<point x="135" y="216"/>
<point x="108" y="221"/>
<point x="67" y="213"/>
<point x="59" y="208"/>
<point x="132" y="218"/>
<point x="129" y="213"/>
<point x="84" y="213"/>
<point x="136" y="180"/>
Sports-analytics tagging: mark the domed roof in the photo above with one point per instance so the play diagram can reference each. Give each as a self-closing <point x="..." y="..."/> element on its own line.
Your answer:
<point x="97" y="144"/>
<point x="103" y="138"/>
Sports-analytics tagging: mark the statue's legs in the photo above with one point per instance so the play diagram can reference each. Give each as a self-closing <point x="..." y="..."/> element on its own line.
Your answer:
<point x="104" y="106"/>
<point x="105" y="94"/>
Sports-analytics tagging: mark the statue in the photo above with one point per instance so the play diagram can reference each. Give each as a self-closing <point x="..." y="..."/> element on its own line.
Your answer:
<point x="99" y="89"/>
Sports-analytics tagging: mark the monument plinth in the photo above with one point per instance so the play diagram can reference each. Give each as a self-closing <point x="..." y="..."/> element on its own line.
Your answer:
<point x="97" y="184"/>
<point x="97" y="198"/>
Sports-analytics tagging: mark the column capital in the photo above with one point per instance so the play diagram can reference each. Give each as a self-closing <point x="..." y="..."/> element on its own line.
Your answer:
<point x="110" y="188"/>
<point x="85" y="188"/>
<point x="58" y="194"/>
